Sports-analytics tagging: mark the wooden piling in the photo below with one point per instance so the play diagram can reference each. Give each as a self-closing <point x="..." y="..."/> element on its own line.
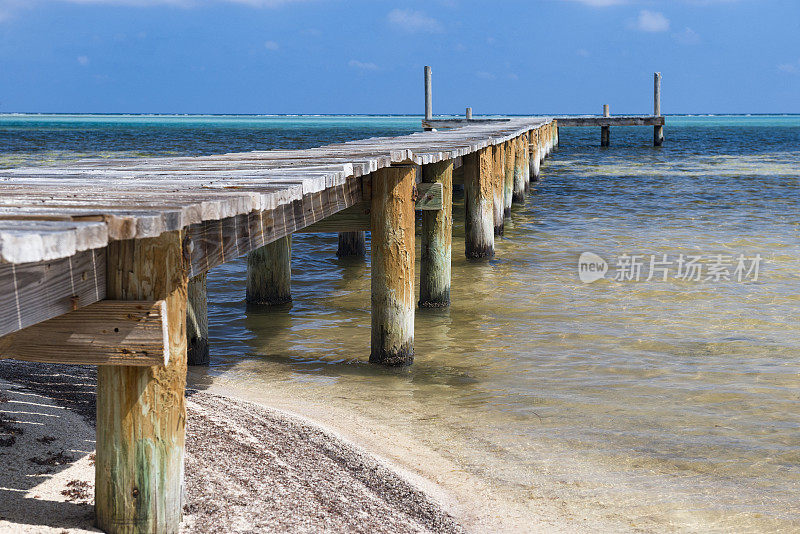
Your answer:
<point x="269" y="273"/>
<point x="141" y="415"/>
<point x="509" y="149"/>
<point x="436" y="238"/>
<point x="658" y="130"/>
<point x="392" y="225"/>
<point x="535" y="160"/>
<point x="351" y="244"/>
<point x="469" y="114"/>
<point x="428" y="95"/>
<point x="520" y="170"/>
<point x="605" y="131"/>
<point x="499" y="177"/>
<point x="478" y="170"/>
<point x="197" y="321"/>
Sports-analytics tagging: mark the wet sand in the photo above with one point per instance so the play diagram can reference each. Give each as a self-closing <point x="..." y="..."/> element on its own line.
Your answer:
<point x="249" y="468"/>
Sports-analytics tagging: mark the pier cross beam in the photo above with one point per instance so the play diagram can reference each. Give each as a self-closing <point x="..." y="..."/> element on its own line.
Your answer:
<point x="141" y="411"/>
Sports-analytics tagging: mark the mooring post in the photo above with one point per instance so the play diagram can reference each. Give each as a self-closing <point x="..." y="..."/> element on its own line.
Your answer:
<point x="392" y="225"/>
<point x="141" y="412"/>
<point x="499" y="177"/>
<point x="351" y="244"/>
<point x="509" y="149"/>
<point x="520" y="169"/>
<point x="197" y="321"/>
<point x="478" y="169"/>
<point x="437" y="236"/>
<point x="658" y="131"/>
<point x="428" y="97"/>
<point x="469" y="114"/>
<point x="269" y="273"/>
<point x="605" y="131"/>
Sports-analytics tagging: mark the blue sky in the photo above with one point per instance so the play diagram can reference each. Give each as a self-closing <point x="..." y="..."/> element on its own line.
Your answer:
<point x="336" y="56"/>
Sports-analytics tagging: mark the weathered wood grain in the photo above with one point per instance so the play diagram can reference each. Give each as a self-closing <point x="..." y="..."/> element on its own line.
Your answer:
<point x="141" y="412"/>
<point x="109" y="332"/>
<point x="436" y="239"/>
<point x="392" y="274"/>
<point x="34" y="292"/>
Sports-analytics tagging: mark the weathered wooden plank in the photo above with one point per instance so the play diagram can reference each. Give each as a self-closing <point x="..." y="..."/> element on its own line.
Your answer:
<point x="34" y="292"/>
<point x="24" y="241"/>
<point x="108" y="332"/>
<point x="430" y="196"/>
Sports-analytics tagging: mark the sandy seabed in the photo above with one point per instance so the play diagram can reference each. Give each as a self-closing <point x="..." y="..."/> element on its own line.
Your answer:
<point x="248" y="468"/>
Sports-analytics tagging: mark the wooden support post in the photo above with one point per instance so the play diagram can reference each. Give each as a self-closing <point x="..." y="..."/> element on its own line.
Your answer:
<point x="605" y="131"/>
<point x="197" y="321"/>
<point x="526" y="164"/>
<point x="437" y="235"/>
<point x="428" y="96"/>
<point x="510" y="161"/>
<point x="520" y="169"/>
<point x="658" y="131"/>
<point x="478" y="202"/>
<point x="469" y="114"/>
<point x="558" y="134"/>
<point x="351" y="244"/>
<point x="542" y="143"/>
<point x="393" y="249"/>
<point x="499" y="177"/>
<point x="141" y="412"/>
<point x="269" y="273"/>
<point x="536" y="160"/>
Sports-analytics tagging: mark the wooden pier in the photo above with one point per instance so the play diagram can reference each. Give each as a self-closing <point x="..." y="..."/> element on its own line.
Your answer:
<point x="104" y="262"/>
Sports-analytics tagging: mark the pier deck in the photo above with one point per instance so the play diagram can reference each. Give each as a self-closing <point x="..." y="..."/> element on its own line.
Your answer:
<point x="102" y="262"/>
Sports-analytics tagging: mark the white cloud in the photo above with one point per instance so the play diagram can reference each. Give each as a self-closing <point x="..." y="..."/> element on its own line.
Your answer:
<point x="652" y="21"/>
<point x="414" y="21"/>
<point x="687" y="37"/>
<point x="791" y="68"/>
<point x="271" y="45"/>
<point x="83" y="60"/>
<point x="361" y="65"/>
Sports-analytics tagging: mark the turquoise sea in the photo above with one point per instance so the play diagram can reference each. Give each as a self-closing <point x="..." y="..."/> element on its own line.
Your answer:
<point x="630" y="404"/>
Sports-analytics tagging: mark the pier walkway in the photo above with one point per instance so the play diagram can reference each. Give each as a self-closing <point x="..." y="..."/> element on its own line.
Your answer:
<point x="103" y="263"/>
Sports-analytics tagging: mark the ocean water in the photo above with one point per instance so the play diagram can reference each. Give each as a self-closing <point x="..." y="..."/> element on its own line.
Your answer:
<point x="663" y="404"/>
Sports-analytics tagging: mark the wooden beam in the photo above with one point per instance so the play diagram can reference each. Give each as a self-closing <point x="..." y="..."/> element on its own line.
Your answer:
<point x="109" y="332"/>
<point x="34" y="292"/>
<point x="457" y="123"/>
<point x="430" y="197"/>
<point x="619" y="120"/>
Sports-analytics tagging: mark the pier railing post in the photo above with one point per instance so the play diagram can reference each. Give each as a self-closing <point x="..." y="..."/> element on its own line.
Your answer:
<point x="478" y="170"/>
<point x="605" y="131"/>
<point x="197" y="321"/>
<point x="520" y="168"/>
<point x="436" y="239"/>
<point x="141" y="412"/>
<point x="392" y="225"/>
<point x="499" y="177"/>
<point x="658" y="131"/>
<point x="351" y="244"/>
<point x="509" y="148"/>
<point x="269" y="273"/>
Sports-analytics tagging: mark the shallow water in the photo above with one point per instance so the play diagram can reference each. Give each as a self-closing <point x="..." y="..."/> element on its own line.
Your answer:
<point x="662" y="405"/>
